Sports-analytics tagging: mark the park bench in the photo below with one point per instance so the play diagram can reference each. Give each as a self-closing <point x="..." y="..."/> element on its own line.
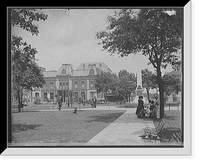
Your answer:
<point x="154" y="133"/>
<point x="175" y="134"/>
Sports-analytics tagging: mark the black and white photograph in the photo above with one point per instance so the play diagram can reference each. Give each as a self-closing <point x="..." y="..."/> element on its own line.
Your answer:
<point x="97" y="78"/>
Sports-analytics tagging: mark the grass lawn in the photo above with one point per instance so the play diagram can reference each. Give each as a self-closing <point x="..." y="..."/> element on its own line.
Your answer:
<point x="49" y="106"/>
<point x="60" y="126"/>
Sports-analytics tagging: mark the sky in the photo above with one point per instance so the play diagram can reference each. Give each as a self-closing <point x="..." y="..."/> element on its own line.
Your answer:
<point x="69" y="37"/>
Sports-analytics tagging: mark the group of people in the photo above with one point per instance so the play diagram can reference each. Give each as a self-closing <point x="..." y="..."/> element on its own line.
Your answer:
<point x="94" y="102"/>
<point x="146" y="111"/>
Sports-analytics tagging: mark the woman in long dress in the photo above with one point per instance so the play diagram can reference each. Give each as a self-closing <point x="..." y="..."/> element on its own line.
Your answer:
<point x="140" y="106"/>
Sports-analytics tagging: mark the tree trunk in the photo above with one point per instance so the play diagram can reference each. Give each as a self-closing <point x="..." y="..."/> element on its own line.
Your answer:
<point x="147" y="94"/>
<point x="124" y="97"/>
<point x="161" y="92"/>
<point x="19" y="100"/>
<point x="105" y="93"/>
<point x="22" y="105"/>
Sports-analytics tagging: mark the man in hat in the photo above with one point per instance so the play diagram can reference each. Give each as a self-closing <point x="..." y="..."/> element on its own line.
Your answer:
<point x="60" y="103"/>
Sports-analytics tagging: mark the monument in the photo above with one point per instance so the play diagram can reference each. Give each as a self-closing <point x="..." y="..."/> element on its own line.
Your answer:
<point x="139" y="89"/>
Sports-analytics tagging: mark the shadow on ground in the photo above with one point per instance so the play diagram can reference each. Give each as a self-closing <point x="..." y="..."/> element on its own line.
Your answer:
<point x="106" y="118"/>
<point x="24" y="127"/>
<point x="172" y="133"/>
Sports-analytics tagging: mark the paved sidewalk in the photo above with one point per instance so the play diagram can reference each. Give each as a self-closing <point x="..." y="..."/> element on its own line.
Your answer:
<point x="125" y="131"/>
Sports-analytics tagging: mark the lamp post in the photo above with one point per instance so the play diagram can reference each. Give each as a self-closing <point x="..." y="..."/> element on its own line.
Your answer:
<point x="68" y="95"/>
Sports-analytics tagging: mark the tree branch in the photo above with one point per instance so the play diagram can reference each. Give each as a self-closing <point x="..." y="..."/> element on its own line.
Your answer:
<point x="151" y="57"/>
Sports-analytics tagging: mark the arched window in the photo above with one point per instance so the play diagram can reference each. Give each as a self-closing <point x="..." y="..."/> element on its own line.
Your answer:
<point x="45" y="95"/>
<point x="51" y="95"/>
<point x="36" y="94"/>
<point x="63" y="71"/>
<point x="91" y="72"/>
<point x="51" y="84"/>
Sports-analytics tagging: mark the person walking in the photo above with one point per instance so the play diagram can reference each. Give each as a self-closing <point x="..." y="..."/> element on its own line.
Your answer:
<point x="60" y="103"/>
<point x="94" y="102"/>
<point x="140" y="106"/>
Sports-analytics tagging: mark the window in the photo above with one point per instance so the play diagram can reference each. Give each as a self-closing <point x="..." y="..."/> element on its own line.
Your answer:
<point x="91" y="72"/>
<point x="36" y="94"/>
<point x="51" y="95"/>
<point x="66" y="84"/>
<point x="60" y="84"/>
<point x="91" y="83"/>
<point x="63" y="71"/>
<point x="83" y="95"/>
<point x="100" y="65"/>
<point x="76" y="84"/>
<point x="82" y="84"/>
<point x="45" y="95"/>
<point x="83" y="65"/>
<point x="75" y="96"/>
<point x="91" y="95"/>
<point x="51" y="84"/>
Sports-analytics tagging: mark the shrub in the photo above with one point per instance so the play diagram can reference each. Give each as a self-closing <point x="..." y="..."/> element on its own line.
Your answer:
<point x="37" y="100"/>
<point x="128" y="105"/>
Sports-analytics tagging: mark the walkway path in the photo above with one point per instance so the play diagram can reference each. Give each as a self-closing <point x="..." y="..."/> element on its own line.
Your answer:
<point x="125" y="131"/>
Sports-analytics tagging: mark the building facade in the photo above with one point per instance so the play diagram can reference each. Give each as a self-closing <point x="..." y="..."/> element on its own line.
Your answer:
<point x="70" y="83"/>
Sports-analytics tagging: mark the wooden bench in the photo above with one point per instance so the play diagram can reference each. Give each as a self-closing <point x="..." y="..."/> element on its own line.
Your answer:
<point x="176" y="134"/>
<point x="154" y="133"/>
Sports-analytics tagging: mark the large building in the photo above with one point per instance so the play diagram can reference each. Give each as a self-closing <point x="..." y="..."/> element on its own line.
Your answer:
<point x="66" y="82"/>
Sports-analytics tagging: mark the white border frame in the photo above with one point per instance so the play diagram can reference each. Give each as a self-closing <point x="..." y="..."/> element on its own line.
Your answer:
<point x="185" y="151"/>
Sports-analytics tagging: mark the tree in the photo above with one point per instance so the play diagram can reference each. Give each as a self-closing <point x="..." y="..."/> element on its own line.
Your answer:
<point x="157" y="33"/>
<point x="172" y="82"/>
<point x="149" y="80"/>
<point x="105" y="81"/>
<point x="121" y="85"/>
<point x="126" y="84"/>
<point x="24" y="19"/>
<point x="25" y="73"/>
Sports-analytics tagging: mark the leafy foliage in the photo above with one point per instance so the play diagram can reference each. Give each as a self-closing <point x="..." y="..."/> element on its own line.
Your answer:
<point x="37" y="100"/>
<point x="105" y="81"/>
<point x="157" y="33"/>
<point x="172" y="82"/>
<point x="148" y="79"/>
<point x="24" y="19"/>
<point x="25" y="73"/>
<point x="126" y="84"/>
<point x="152" y="31"/>
<point x="121" y="85"/>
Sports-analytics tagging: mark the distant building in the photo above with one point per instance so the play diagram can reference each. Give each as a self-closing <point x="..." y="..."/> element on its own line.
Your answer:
<point x="64" y="81"/>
